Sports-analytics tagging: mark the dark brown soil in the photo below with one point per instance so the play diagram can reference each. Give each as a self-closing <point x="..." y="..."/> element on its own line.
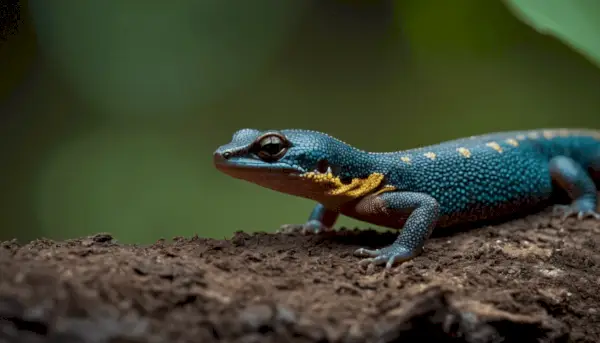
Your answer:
<point x="530" y="280"/>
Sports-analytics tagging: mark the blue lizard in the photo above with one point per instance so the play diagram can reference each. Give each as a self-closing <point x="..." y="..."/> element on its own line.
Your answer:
<point x="465" y="180"/>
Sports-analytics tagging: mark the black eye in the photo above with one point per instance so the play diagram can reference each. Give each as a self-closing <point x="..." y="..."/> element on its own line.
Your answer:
<point x="272" y="147"/>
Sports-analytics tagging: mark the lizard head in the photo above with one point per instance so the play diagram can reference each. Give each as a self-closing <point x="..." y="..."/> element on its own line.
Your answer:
<point x="304" y="163"/>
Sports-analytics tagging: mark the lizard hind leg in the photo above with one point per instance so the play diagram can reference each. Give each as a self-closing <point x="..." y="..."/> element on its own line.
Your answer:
<point x="594" y="168"/>
<point x="321" y="219"/>
<point x="575" y="180"/>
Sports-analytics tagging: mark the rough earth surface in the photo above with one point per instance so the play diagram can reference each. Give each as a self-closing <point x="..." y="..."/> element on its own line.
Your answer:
<point x="534" y="279"/>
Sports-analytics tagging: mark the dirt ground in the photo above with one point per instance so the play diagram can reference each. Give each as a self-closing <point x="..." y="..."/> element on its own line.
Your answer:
<point x="530" y="280"/>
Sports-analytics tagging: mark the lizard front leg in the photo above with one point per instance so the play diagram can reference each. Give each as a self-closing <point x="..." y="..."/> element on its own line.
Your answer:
<point x="418" y="211"/>
<point x="320" y="219"/>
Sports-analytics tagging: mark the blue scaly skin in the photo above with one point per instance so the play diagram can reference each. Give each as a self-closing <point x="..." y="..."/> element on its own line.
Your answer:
<point x="460" y="181"/>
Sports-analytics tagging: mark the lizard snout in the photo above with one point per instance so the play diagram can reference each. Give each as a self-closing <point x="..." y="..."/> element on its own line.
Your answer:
<point x="220" y="157"/>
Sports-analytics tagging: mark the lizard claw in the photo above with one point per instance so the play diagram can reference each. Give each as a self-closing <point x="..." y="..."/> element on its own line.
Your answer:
<point x="566" y="211"/>
<point x="389" y="255"/>
<point x="308" y="228"/>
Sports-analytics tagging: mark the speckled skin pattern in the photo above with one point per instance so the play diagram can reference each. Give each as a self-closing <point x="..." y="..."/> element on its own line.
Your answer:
<point x="459" y="181"/>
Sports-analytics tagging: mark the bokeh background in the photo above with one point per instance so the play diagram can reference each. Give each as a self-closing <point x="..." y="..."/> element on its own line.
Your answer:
<point x="110" y="110"/>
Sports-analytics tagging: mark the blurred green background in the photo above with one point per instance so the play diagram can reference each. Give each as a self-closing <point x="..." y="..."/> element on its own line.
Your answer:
<point x="110" y="110"/>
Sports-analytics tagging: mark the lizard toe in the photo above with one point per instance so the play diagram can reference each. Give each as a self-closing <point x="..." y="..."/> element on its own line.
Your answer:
<point x="389" y="255"/>
<point x="308" y="228"/>
<point x="562" y="211"/>
<point x="373" y="261"/>
<point x="289" y="228"/>
<point x="588" y="214"/>
<point x="362" y="252"/>
<point x="566" y="211"/>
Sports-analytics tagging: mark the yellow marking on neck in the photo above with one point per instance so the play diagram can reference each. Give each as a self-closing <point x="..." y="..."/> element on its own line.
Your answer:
<point x="564" y="133"/>
<point x="405" y="159"/>
<point x="357" y="188"/>
<point x="520" y="137"/>
<point x="464" y="151"/>
<point x="548" y="134"/>
<point x="494" y="146"/>
<point x="533" y="135"/>
<point x="386" y="188"/>
<point x="430" y="155"/>
<point x="512" y="142"/>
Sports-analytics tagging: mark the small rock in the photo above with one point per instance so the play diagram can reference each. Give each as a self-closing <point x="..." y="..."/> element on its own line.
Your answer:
<point x="285" y="315"/>
<point x="102" y="237"/>
<point x="256" y="317"/>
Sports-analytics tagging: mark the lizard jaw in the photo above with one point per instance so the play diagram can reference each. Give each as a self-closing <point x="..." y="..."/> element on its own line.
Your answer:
<point x="269" y="175"/>
<point x="321" y="184"/>
<point x="241" y="167"/>
<point x="281" y="177"/>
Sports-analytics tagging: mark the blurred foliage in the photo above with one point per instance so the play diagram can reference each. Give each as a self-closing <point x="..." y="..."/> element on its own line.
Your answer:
<point x="106" y="48"/>
<point x="112" y="111"/>
<point x="574" y="22"/>
<point x="17" y="47"/>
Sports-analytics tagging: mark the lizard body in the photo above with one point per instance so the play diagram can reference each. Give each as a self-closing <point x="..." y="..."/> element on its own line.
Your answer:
<point x="459" y="181"/>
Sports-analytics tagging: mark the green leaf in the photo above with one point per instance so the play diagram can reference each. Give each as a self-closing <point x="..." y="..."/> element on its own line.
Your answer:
<point x="574" y="22"/>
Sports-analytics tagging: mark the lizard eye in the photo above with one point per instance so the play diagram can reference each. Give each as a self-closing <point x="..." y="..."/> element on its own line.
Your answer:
<point x="272" y="147"/>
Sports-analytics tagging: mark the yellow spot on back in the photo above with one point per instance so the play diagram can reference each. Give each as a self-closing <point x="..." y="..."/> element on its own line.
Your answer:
<point x="494" y="146"/>
<point x="548" y="134"/>
<point x="430" y="155"/>
<point x="405" y="159"/>
<point x="533" y="135"/>
<point x="464" y="151"/>
<point x="521" y="137"/>
<point x="563" y="133"/>
<point x="512" y="142"/>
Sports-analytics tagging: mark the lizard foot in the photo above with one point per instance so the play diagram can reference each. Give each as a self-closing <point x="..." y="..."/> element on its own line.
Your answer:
<point x="310" y="227"/>
<point x="566" y="211"/>
<point x="389" y="255"/>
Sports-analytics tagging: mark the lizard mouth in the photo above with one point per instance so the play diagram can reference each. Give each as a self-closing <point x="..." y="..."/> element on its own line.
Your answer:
<point x="248" y="168"/>
<point x="321" y="184"/>
<point x="280" y="176"/>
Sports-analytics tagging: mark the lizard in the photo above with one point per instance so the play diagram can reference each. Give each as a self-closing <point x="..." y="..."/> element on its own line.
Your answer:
<point x="465" y="180"/>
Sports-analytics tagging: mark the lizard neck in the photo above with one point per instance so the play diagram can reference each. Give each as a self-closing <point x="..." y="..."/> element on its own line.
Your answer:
<point x="355" y="174"/>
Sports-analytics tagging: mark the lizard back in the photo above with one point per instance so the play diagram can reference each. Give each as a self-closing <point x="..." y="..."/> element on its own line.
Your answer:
<point x="492" y="175"/>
